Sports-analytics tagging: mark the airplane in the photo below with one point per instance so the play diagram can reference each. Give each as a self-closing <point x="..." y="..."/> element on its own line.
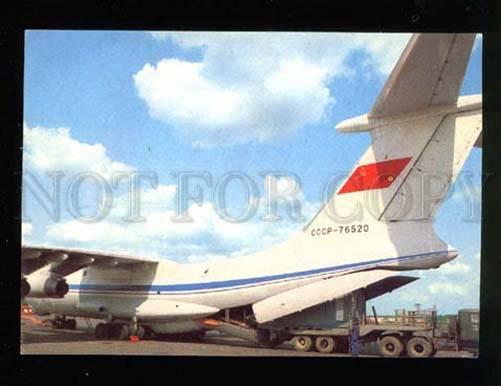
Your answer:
<point x="422" y="132"/>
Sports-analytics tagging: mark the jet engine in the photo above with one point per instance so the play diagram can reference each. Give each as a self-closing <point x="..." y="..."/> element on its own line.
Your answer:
<point x="46" y="286"/>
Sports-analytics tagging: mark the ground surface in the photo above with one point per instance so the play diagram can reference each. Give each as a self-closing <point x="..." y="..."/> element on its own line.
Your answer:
<point x="44" y="339"/>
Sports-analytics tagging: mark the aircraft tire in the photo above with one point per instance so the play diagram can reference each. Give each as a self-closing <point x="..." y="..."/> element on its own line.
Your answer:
<point x="69" y="324"/>
<point x="390" y="346"/>
<point x="325" y="344"/>
<point x="302" y="343"/>
<point x="141" y="332"/>
<point x="120" y="331"/>
<point x="58" y="322"/>
<point x="419" y="347"/>
<point x="100" y="331"/>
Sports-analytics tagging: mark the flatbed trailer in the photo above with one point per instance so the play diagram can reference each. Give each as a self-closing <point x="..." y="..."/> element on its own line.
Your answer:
<point x="417" y="340"/>
<point x="393" y="340"/>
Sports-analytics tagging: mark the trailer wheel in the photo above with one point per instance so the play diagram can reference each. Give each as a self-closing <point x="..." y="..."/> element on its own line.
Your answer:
<point x="391" y="346"/>
<point x="302" y="343"/>
<point x="419" y="347"/>
<point x="325" y="344"/>
<point x="341" y="345"/>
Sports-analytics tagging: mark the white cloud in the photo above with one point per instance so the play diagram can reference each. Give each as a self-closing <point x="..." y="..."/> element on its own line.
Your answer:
<point x="413" y="296"/>
<point x="207" y="237"/>
<point x="383" y="49"/>
<point x="455" y="268"/>
<point x="97" y="232"/>
<point x="49" y="149"/>
<point x="277" y="186"/>
<point x="149" y="201"/>
<point x="159" y="236"/>
<point x="26" y="230"/>
<point x="159" y="35"/>
<point x="447" y="289"/>
<point x="254" y="86"/>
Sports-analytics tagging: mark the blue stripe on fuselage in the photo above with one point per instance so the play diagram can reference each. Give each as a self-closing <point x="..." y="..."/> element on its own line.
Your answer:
<point x="236" y="283"/>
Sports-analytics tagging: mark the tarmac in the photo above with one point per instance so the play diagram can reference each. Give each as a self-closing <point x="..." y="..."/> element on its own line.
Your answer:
<point x="43" y="339"/>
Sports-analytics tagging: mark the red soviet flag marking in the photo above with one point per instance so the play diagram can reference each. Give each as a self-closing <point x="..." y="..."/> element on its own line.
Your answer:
<point x="374" y="176"/>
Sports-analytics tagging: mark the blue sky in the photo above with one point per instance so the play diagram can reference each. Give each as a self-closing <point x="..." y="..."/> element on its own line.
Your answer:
<point x="217" y="102"/>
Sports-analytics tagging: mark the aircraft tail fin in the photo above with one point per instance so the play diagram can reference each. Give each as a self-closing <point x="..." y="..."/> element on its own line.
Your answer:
<point x="430" y="72"/>
<point x="406" y="172"/>
<point x="422" y="133"/>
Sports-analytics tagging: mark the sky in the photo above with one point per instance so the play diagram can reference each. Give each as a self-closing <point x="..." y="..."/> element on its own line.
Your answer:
<point x="103" y="104"/>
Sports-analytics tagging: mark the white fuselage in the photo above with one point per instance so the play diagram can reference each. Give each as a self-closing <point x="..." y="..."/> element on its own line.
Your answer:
<point x="239" y="281"/>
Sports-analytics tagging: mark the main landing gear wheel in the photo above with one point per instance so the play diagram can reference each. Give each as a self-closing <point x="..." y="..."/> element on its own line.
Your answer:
<point x="325" y="344"/>
<point x="118" y="331"/>
<point x="141" y="332"/>
<point x="99" y="331"/>
<point x="104" y="331"/>
<point x="60" y="322"/>
<point x="69" y="324"/>
<point x="390" y="346"/>
<point x="121" y="332"/>
<point x="302" y="343"/>
<point x="419" y="347"/>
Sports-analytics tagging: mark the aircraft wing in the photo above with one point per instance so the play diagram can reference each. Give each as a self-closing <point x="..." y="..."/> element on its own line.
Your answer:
<point x="65" y="261"/>
<point x="375" y="283"/>
<point x="429" y="72"/>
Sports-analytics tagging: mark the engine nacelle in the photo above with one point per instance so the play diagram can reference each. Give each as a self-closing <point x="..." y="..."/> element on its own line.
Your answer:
<point x="47" y="286"/>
